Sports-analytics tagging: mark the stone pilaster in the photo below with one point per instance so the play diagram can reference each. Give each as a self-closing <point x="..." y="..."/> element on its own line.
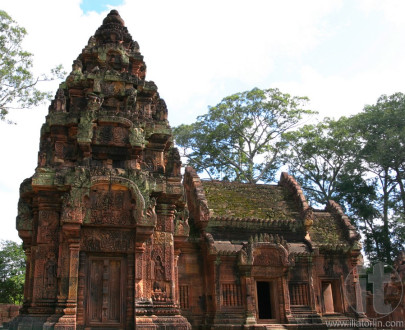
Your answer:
<point x="68" y="320"/>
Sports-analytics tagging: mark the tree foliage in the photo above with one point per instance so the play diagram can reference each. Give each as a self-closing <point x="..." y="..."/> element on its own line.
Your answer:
<point x="17" y="82"/>
<point x="382" y="128"/>
<point x="359" y="162"/>
<point x="12" y="272"/>
<point x="318" y="155"/>
<point x="240" y="139"/>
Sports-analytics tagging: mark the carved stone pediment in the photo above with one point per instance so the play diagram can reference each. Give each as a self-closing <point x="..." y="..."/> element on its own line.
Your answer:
<point x="270" y="255"/>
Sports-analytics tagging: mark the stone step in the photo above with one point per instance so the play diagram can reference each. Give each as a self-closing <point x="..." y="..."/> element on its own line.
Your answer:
<point x="275" y="327"/>
<point x="305" y="316"/>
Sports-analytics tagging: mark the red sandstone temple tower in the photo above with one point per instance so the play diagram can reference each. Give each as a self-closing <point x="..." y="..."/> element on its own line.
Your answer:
<point x="98" y="217"/>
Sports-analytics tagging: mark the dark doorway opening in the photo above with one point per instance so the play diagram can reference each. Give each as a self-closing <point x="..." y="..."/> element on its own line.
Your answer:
<point x="264" y="300"/>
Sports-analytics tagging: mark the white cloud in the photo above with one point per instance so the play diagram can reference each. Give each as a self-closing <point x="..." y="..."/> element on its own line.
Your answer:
<point x="336" y="95"/>
<point x="393" y="10"/>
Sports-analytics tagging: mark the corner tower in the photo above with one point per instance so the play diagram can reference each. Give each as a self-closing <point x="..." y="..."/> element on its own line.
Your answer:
<point x="99" y="218"/>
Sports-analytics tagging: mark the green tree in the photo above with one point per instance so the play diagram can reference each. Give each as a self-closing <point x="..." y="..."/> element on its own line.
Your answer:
<point x="240" y="139"/>
<point x="12" y="272"/>
<point x="382" y="128"/>
<point x="17" y="82"/>
<point x="359" y="162"/>
<point x="325" y="159"/>
<point x="318" y="155"/>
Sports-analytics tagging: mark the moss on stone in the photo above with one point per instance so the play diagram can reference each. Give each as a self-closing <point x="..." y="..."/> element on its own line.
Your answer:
<point x="231" y="199"/>
<point x="326" y="230"/>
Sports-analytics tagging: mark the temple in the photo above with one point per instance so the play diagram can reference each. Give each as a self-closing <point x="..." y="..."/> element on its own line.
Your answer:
<point x="116" y="238"/>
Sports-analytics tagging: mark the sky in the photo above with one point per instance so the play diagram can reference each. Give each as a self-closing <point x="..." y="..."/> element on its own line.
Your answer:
<point x="342" y="54"/>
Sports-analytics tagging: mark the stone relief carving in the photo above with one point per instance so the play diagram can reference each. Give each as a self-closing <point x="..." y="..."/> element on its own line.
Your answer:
<point x="50" y="283"/>
<point x="94" y="102"/>
<point x="76" y="74"/>
<point x="161" y="110"/>
<point x="85" y="127"/>
<point x="110" y="135"/>
<point x="264" y="250"/>
<point x="107" y="240"/>
<point x="111" y="207"/>
<point x="136" y="137"/>
<point x="181" y="226"/>
<point x="59" y="104"/>
<point x="25" y="216"/>
<point x="173" y="165"/>
<point x="150" y="217"/>
<point x="47" y="229"/>
<point x="131" y="100"/>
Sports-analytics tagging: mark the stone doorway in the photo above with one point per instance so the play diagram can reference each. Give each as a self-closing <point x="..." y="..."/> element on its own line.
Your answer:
<point x="105" y="294"/>
<point x="266" y="303"/>
<point x="331" y="297"/>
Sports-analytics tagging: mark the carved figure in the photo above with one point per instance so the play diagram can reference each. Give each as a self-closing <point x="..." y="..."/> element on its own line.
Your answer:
<point x="131" y="99"/>
<point x="59" y="104"/>
<point x="136" y="137"/>
<point x="94" y="102"/>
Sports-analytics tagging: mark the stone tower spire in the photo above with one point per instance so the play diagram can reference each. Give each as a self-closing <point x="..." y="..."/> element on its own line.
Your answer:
<point x="98" y="216"/>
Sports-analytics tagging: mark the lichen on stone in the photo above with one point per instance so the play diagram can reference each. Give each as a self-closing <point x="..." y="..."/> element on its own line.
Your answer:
<point x="325" y="230"/>
<point x="232" y="199"/>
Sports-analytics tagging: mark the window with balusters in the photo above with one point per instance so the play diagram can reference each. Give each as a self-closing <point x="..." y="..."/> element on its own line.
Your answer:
<point x="299" y="294"/>
<point x="184" y="296"/>
<point x="231" y="295"/>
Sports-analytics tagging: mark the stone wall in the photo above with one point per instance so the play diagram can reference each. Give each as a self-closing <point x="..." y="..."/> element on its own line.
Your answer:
<point x="8" y="312"/>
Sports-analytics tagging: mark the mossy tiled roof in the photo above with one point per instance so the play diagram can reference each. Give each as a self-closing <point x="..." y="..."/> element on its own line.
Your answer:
<point x="326" y="229"/>
<point x="242" y="200"/>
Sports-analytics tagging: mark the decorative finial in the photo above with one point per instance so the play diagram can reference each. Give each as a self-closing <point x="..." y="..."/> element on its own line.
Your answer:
<point x="113" y="30"/>
<point x="113" y="17"/>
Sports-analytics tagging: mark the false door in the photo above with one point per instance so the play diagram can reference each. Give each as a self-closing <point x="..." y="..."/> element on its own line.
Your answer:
<point x="105" y="292"/>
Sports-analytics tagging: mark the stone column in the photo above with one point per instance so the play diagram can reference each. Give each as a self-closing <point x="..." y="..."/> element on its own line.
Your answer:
<point x="284" y="300"/>
<point x="27" y="286"/>
<point x="311" y="288"/>
<point x="68" y="320"/>
<point x="163" y="312"/>
<point x="250" y="300"/>
<point x="33" y="263"/>
<point x="139" y="266"/>
<point x="163" y="245"/>
<point x="358" y="294"/>
<point x="176" y="277"/>
<point x="44" y="285"/>
<point x="286" y="296"/>
<point x="131" y="295"/>
<point x="81" y="288"/>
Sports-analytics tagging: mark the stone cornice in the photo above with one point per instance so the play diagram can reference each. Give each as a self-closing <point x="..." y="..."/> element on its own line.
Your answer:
<point x="253" y="222"/>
